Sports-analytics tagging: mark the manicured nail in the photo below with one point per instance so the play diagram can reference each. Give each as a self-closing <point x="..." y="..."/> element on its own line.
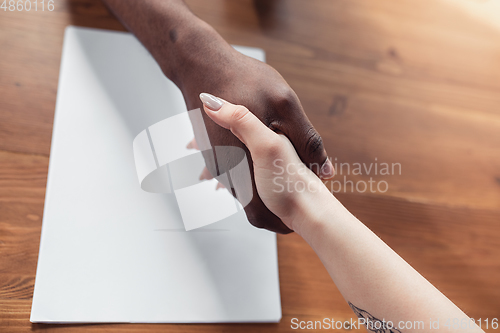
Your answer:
<point x="211" y="102"/>
<point x="327" y="170"/>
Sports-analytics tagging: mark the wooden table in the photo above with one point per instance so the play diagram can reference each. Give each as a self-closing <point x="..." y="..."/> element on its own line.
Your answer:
<point x="409" y="81"/>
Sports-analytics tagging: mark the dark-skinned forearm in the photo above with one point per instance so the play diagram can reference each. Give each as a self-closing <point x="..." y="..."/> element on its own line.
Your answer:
<point x="178" y="40"/>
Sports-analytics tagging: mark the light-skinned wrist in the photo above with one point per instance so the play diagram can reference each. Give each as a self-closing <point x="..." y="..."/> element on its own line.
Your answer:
<point x="313" y="212"/>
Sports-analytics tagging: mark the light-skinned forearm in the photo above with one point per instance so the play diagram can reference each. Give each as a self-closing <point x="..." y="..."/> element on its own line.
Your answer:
<point x="378" y="284"/>
<point x="369" y="274"/>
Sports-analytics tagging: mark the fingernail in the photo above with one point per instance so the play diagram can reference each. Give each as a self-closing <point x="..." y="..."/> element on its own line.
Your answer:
<point x="211" y="102"/>
<point x="327" y="170"/>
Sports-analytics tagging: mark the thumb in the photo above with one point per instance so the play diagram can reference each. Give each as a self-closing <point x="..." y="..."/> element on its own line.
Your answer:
<point x="260" y="140"/>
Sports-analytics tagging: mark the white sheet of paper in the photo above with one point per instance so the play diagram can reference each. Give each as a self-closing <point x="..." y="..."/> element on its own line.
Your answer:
<point x="168" y="135"/>
<point x="111" y="252"/>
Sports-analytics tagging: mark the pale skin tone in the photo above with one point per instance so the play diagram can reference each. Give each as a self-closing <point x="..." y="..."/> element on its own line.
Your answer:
<point x="368" y="273"/>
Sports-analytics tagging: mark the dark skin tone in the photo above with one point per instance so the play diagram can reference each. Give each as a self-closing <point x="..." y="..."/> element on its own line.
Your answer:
<point x="197" y="59"/>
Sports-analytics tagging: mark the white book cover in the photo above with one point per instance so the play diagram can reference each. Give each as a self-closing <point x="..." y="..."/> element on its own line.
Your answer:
<point x="112" y="252"/>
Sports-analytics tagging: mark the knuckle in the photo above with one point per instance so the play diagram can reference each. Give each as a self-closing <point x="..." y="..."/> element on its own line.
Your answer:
<point x="314" y="144"/>
<point x="239" y="114"/>
<point x="273" y="147"/>
<point x="283" y="98"/>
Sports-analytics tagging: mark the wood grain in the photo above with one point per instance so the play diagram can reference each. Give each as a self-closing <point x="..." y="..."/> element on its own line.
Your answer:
<point x="410" y="82"/>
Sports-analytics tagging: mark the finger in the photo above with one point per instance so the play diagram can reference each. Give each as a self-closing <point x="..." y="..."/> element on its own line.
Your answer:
<point x="219" y="185"/>
<point x="258" y="138"/>
<point x="312" y="152"/>
<point x="307" y="142"/>
<point x="205" y="174"/>
<point x="193" y="145"/>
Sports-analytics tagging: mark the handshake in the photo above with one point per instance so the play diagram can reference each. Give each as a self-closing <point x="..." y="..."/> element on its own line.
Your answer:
<point x="269" y="151"/>
<point x="197" y="59"/>
<point x="262" y="90"/>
